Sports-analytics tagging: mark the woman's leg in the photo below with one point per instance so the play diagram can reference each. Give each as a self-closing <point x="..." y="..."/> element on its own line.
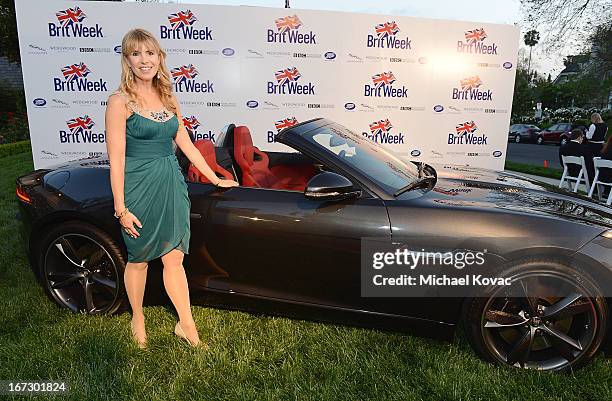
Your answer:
<point x="175" y="282"/>
<point x="135" y="279"/>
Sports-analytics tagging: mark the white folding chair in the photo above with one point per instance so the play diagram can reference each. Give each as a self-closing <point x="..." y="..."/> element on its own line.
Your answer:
<point x="601" y="163"/>
<point x="583" y="176"/>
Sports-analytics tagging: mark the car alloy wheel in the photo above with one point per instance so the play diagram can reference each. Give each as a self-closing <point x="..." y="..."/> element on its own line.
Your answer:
<point x="540" y="140"/>
<point x="539" y="333"/>
<point x="563" y="142"/>
<point x="547" y="319"/>
<point x="81" y="270"/>
<point x="517" y="138"/>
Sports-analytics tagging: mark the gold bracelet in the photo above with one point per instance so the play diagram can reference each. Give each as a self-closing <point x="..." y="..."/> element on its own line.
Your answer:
<point x="123" y="212"/>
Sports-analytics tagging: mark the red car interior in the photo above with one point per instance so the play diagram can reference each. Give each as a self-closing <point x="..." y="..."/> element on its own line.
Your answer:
<point x="256" y="172"/>
<point x="207" y="149"/>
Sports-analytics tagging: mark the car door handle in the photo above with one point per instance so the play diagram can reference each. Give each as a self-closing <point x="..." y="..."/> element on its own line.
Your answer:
<point x="195" y="216"/>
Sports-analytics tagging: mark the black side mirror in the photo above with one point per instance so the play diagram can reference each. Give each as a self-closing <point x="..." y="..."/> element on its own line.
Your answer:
<point x="330" y="186"/>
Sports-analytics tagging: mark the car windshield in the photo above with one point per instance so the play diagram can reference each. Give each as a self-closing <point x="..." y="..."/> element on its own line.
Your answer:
<point x="379" y="164"/>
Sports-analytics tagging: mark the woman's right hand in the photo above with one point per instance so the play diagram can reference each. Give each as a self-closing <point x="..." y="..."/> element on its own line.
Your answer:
<point x="127" y="222"/>
<point x="227" y="184"/>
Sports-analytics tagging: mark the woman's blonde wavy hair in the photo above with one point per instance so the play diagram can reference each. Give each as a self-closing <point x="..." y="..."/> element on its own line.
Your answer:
<point x="132" y="41"/>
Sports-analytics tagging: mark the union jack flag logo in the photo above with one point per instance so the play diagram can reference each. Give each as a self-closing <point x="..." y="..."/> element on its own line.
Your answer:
<point x="475" y="35"/>
<point x="379" y="127"/>
<point x="70" y="16"/>
<point x="382" y="79"/>
<point x="183" y="73"/>
<point x="191" y="123"/>
<point x="80" y="124"/>
<point x="387" y="29"/>
<point x="181" y="19"/>
<point x="75" y="71"/>
<point x="285" y="123"/>
<point x="467" y="127"/>
<point x="470" y="83"/>
<point x="287" y="23"/>
<point x="287" y="75"/>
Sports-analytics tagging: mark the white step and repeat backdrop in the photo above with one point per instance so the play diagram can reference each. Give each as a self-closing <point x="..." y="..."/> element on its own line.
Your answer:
<point x="429" y="89"/>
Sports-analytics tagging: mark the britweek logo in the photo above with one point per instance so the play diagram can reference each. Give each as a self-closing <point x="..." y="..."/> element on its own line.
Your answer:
<point x="465" y="135"/>
<point x="181" y="27"/>
<point x="474" y="43"/>
<point x="71" y="25"/>
<point x="386" y="37"/>
<point x="382" y="86"/>
<point x="287" y="83"/>
<point x="80" y="131"/>
<point x="281" y="125"/>
<point x="192" y="124"/>
<point x="470" y="90"/>
<point x="74" y="79"/>
<point x="287" y="31"/>
<point x="184" y="80"/>
<point x="380" y="133"/>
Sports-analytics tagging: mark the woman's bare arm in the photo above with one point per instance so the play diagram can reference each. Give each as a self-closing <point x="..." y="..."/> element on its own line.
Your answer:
<point x="116" y="115"/>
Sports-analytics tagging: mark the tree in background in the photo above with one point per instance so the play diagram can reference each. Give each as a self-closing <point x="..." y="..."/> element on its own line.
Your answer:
<point x="566" y="22"/>
<point x="531" y="39"/>
<point x="9" y="46"/>
<point x="583" y="25"/>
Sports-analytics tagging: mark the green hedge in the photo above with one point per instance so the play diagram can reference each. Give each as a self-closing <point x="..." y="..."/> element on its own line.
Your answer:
<point x="14" y="148"/>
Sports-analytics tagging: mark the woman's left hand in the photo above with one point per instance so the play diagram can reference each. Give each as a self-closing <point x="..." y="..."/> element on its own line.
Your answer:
<point x="227" y="183"/>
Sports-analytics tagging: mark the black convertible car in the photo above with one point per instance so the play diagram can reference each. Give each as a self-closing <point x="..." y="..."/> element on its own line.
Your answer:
<point x="288" y="241"/>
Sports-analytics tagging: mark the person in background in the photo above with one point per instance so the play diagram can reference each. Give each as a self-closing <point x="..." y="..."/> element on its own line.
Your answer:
<point x="575" y="148"/>
<point x="605" y="174"/>
<point x="596" y="134"/>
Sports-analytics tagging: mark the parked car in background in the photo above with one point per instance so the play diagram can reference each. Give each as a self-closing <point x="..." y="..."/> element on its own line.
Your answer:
<point x="558" y="133"/>
<point x="523" y="133"/>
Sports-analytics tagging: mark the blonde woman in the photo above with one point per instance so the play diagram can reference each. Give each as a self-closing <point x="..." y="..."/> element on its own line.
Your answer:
<point x="596" y="134"/>
<point x="149" y="190"/>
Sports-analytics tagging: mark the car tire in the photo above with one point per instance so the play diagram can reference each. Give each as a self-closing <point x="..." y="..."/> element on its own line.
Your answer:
<point x="509" y="335"/>
<point x="517" y="138"/>
<point x="563" y="141"/>
<point x="81" y="268"/>
<point x="540" y="140"/>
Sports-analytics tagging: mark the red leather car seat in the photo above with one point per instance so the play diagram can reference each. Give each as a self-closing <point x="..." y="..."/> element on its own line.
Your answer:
<point x="256" y="172"/>
<point x="207" y="150"/>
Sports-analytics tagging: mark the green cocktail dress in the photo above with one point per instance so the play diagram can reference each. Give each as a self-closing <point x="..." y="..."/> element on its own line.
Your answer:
<point x="154" y="188"/>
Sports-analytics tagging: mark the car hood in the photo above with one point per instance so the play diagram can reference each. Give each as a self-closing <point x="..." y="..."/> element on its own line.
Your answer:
<point x="460" y="186"/>
<point x="100" y="161"/>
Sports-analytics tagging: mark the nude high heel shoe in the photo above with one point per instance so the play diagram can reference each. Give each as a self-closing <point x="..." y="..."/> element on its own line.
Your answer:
<point x="141" y="343"/>
<point x="178" y="330"/>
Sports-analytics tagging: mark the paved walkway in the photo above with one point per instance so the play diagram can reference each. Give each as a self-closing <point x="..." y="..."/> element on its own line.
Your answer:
<point x="534" y="155"/>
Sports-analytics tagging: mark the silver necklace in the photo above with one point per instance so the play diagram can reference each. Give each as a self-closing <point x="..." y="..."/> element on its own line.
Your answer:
<point x="160" y="115"/>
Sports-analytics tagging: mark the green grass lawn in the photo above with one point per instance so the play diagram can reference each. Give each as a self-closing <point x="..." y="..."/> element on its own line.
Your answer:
<point x="251" y="357"/>
<point x="535" y="170"/>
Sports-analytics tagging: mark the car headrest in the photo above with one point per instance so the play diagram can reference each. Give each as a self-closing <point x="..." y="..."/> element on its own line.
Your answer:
<point x="243" y="135"/>
<point x="225" y="139"/>
<point x="206" y="148"/>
